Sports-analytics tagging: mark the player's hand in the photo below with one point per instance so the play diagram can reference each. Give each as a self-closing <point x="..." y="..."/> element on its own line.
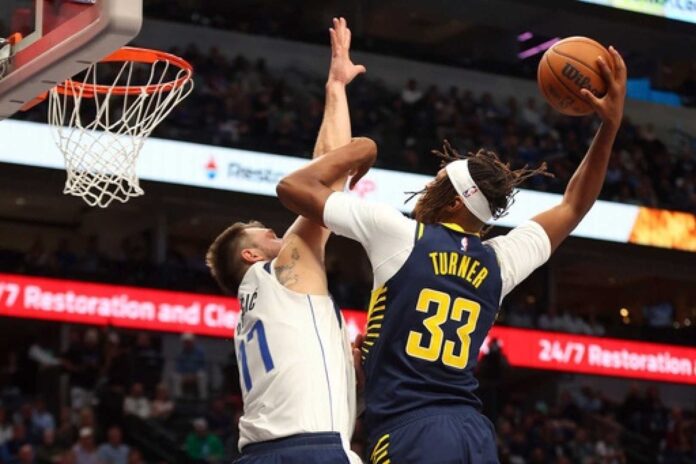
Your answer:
<point x="367" y="157"/>
<point x="342" y="70"/>
<point x="357" y="362"/>
<point x="610" y="106"/>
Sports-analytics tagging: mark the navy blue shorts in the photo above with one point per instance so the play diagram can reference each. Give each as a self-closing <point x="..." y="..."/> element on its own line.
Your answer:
<point x="304" y="448"/>
<point x="436" y="436"/>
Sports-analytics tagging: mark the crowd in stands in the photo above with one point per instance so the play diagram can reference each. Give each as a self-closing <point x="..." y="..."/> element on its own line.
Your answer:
<point x="587" y="428"/>
<point x="245" y="104"/>
<point x="131" y="264"/>
<point x="116" y="383"/>
<point x="583" y="425"/>
<point x="525" y="313"/>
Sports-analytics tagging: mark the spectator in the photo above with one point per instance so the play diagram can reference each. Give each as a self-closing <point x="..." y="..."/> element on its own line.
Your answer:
<point x="25" y="455"/>
<point x="411" y="94"/>
<point x="87" y="419"/>
<point x="69" y="457"/>
<point x="588" y="400"/>
<point x="37" y="257"/>
<point x="147" y="363"/>
<point x="41" y="419"/>
<point x="219" y="419"/>
<point x="201" y="445"/>
<point x="66" y="433"/>
<point x="5" y="456"/>
<point x="118" y="371"/>
<point x="85" y="450"/>
<point x="136" y="404"/>
<point x="5" y="427"/>
<point x="83" y="362"/>
<point x="550" y="320"/>
<point x="49" y="452"/>
<point x="190" y="368"/>
<point x="581" y="448"/>
<point x="114" y="451"/>
<point x="64" y="257"/>
<point x="162" y="405"/>
<point x="609" y="451"/>
<point x="24" y="416"/>
<point x="19" y="439"/>
<point x="135" y="457"/>
<point x="92" y="260"/>
<point x="118" y="367"/>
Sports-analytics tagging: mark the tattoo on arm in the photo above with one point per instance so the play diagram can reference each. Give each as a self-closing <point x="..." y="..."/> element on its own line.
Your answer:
<point x="287" y="275"/>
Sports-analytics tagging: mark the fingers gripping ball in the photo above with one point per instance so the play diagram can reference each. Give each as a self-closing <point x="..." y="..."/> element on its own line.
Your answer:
<point x="569" y="66"/>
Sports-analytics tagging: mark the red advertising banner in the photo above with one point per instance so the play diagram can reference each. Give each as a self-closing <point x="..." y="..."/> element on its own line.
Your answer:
<point x="126" y="307"/>
<point x="139" y="308"/>
<point x="595" y="355"/>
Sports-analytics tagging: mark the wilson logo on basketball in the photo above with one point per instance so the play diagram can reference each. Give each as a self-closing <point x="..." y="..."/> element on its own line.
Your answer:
<point x="579" y="79"/>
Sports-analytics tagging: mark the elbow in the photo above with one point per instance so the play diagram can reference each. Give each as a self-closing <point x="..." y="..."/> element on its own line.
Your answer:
<point x="294" y="192"/>
<point x="286" y="190"/>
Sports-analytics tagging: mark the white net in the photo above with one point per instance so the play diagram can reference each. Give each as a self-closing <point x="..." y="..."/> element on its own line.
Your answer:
<point x="100" y="129"/>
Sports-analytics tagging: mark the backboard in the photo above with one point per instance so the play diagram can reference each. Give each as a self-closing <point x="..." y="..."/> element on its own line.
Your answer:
<point x="52" y="40"/>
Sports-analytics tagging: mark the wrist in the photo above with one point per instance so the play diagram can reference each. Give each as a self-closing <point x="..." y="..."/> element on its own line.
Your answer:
<point x="612" y="124"/>
<point x="333" y="84"/>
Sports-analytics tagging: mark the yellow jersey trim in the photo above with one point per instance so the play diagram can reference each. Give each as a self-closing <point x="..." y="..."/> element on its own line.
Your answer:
<point x="421" y="229"/>
<point x="375" y="314"/>
<point x="458" y="228"/>
<point x="380" y="453"/>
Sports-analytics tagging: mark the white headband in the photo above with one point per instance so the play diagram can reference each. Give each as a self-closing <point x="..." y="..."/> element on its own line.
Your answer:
<point x="474" y="199"/>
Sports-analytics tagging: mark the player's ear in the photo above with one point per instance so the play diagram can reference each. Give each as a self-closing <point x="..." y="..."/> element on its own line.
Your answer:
<point x="251" y="255"/>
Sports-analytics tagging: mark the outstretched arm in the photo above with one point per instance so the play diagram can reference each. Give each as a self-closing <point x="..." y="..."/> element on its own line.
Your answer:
<point x="586" y="184"/>
<point x="335" y="128"/>
<point x="306" y="190"/>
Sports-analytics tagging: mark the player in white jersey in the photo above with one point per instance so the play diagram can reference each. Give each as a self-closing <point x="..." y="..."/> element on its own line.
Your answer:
<point x="294" y="355"/>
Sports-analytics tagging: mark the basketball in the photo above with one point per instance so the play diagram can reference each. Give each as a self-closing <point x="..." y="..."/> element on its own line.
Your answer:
<point x="569" y="66"/>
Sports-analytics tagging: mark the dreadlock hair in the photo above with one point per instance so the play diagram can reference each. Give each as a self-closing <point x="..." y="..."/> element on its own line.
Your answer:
<point x="223" y="259"/>
<point x="495" y="179"/>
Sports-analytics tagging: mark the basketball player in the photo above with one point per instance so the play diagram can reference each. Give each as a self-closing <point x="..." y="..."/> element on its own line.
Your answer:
<point x="438" y="285"/>
<point x="294" y="355"/>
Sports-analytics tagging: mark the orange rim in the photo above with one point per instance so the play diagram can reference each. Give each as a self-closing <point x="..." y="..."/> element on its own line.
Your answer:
<point x="138" y="55"/>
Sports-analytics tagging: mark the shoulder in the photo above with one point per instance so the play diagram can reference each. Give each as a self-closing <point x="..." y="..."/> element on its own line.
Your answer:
<point x="348" y="215"/>
<point x="520" y="239"/>
<point x="342" y="202"/>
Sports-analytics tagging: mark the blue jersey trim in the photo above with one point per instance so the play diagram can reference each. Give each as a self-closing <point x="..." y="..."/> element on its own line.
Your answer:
<point x="338" y="314"/>
<point x="323" y="357"/>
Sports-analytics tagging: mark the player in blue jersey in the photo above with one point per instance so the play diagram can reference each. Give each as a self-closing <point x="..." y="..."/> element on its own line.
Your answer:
<point x="294" y="354"/>
<point x="438" y="285"/>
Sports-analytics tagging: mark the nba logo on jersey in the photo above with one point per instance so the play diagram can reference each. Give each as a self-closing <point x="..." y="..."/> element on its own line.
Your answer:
<point x="464" y="244"/>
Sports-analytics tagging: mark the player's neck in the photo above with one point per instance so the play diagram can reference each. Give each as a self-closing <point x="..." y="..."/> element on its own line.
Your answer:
<point x="468" y="222"/>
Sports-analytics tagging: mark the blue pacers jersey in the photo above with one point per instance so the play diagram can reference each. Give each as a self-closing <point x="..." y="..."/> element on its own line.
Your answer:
<point x="427" y="323"/>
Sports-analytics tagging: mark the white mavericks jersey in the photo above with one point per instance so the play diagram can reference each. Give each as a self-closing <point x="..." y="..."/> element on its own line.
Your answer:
<point x="295" y="362"/>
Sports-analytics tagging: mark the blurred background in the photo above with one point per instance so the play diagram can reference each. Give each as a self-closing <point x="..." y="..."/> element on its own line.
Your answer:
<point x="116" y="392"/>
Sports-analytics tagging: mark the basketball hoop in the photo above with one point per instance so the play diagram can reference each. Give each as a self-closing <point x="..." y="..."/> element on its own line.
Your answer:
<point x="100" y="127"/>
